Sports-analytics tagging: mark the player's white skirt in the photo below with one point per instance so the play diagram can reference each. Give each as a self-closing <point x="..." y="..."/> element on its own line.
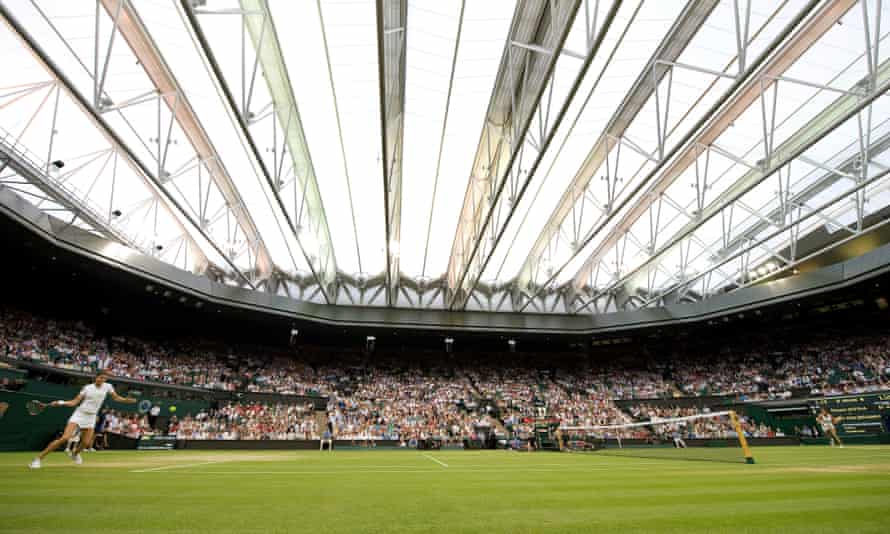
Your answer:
<point x="83" y="420"/>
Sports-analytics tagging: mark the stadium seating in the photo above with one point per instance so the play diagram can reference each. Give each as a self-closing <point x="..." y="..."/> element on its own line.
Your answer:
<point x="462" y="400"/>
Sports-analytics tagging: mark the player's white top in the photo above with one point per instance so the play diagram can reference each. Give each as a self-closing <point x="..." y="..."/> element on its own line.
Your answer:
<point x="826" y="421"/>
<point x="93" y="397"/>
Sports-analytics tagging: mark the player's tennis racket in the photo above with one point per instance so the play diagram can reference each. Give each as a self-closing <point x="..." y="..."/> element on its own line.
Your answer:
<point x="144" y="406"/>
<point x="35" y="407"/>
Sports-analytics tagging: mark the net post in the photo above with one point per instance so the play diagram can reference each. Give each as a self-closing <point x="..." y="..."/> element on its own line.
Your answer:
<point x="743" y="441"/>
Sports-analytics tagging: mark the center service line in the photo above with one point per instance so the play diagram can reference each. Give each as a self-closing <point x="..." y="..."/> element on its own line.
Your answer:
<point x="177" y="466"/>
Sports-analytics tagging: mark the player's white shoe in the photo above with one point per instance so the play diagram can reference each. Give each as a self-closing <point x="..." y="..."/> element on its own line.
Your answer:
<point x="77" y="459"/>
<point x="35" y="464"/>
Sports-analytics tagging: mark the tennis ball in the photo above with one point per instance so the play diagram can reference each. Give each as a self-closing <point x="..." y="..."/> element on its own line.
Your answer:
<point x="172" y="409"/>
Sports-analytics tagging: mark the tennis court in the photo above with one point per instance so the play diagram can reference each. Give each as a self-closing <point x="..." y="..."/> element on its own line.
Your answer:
<point x="793" y="489"/>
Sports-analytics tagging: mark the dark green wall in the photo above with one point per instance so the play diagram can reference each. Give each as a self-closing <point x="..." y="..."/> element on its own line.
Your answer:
<point x="21" y="431"/>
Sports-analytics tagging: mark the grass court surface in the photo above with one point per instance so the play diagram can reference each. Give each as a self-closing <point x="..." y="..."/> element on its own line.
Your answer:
<point x="790" y="489"/>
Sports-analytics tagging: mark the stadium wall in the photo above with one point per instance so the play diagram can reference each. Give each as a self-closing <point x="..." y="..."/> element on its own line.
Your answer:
<point x="21" y="431"/>
<point x="13" y="374"/>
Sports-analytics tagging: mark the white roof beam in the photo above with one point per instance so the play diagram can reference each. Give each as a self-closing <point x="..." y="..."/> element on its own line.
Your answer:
<point x="164" y="199"/>
<point x="673" y="44"/>
<point x="781" y="60"/>
<point x="142" y="45"/>
<point x="841" y="110"/>
<point x="308" y="213"/>
<point x="521" y="81"/>
<point x="392" y="20"/>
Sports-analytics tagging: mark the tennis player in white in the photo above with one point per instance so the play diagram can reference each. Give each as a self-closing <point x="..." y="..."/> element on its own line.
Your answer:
<point x="87" y="402"/>
<point x="828" y="422"/>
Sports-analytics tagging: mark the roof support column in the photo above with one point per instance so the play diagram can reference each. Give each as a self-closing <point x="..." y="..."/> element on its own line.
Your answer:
<point x="392" y="32"/>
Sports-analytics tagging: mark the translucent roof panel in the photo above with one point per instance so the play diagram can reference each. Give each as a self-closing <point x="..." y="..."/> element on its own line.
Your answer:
<point x="633" y="35"/>
<point x="45" y="127"/>
<point x="544" y="186"/>
<point x="694" y="136"/>
<point x="331" y="55"/>
<point x="439" y="147"/>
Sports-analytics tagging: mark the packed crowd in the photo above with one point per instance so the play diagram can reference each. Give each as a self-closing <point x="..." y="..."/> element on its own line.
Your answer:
<point x="385" y="402"/>
<point x="284" y="376"/>
<point x="831" y="366"/>
<point x="184" y="365"/>
<point x="584" y="408"/>
<point x="196" y="363"/>
<point x="619" y="383"/>
<point x="453" y="401"/>
<point x="707" y="427"/>
<point x="65" y="344"/>
<point x="508" y="390"/>
<point x="253" y="421"/>
<point x="131" y="425"/>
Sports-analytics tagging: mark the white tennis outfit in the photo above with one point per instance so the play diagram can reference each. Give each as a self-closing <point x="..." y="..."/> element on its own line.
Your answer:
<point x="84" y="415"/>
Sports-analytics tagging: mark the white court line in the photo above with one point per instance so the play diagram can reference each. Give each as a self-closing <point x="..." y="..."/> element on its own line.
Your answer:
<point x="177" y="466"/>
<point x="440" y="462"/>
<point x="428" y="471"/>
<point x="456" y="470"/>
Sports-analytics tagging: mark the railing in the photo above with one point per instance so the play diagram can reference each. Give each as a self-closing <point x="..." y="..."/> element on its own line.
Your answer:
<point x="65" y="193"/>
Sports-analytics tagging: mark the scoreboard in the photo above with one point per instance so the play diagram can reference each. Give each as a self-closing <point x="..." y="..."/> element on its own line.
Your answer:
<point x="866" y="413"/>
